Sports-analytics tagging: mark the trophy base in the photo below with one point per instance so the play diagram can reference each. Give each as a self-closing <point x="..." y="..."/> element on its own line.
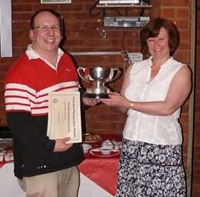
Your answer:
<point x="93" y="95"/>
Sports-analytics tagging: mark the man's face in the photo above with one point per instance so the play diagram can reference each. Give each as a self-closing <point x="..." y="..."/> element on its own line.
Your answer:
<point x="46" y="35"/>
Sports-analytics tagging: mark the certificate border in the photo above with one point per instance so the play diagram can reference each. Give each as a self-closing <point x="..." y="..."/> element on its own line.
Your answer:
<point x="77" y="115"/>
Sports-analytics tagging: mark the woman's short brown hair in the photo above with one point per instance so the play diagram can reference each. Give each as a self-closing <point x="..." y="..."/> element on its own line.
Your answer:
<point x="152" y="29"/>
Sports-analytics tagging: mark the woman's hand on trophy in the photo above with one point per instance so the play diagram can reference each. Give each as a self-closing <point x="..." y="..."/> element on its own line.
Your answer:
<point x="117" y="100"/>
<point x="91" y="101"/>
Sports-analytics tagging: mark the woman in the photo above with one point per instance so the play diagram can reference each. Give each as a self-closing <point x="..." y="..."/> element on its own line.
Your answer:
<point x="152" y="94"/>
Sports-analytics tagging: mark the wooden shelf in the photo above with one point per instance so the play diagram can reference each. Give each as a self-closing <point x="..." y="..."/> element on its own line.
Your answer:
<point x="123" y="6"/>
<point x="121" y="28"/>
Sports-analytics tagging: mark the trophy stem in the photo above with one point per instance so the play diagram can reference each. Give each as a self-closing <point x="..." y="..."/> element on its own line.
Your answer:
<point x="98" y="84"/>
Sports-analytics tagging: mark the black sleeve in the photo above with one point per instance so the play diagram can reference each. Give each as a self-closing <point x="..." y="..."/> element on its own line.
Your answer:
<point x="28" y="134"/>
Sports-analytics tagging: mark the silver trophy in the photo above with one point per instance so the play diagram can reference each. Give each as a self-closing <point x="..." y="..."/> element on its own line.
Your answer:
<point x="98" y="77"/>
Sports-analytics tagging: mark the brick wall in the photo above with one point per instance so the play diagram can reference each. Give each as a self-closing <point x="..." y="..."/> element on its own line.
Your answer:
<point x="179" y="12"/>
<point x="85" y="33"/>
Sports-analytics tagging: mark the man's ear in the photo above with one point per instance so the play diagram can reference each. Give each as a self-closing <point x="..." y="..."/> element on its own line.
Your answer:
<point x="31" y="34"/>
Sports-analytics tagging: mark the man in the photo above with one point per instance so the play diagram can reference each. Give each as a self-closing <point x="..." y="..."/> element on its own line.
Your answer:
<point x="45" y="167"/>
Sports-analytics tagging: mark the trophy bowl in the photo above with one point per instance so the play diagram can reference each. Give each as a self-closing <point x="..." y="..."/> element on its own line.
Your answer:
<point x="98" y="77"/>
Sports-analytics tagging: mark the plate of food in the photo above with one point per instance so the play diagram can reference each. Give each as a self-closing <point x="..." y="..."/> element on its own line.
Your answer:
<point x="91" y="138"/>
<point x="104" y="152"/>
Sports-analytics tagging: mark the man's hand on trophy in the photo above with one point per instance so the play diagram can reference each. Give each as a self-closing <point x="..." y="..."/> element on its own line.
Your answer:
<point x="91" y="101"/>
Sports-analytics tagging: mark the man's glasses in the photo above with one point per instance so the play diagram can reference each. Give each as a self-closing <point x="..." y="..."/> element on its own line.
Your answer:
<point x="46" y="28"/>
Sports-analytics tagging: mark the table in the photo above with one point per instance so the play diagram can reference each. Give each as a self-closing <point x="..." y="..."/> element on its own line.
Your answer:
<point x="102" y="172"/>
<point x="98" y="177"/>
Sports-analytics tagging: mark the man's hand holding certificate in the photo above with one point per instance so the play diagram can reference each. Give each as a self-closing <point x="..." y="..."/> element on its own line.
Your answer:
<point x="64" y="119"/>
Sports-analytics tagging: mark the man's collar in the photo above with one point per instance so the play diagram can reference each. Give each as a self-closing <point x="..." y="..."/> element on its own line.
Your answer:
<point x="32" y="54"/>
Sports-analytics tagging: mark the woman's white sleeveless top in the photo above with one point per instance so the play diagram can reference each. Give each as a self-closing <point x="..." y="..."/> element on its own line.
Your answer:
<point x="164" y="130"/>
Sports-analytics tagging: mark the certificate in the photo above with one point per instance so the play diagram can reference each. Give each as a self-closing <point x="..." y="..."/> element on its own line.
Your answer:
<point x="64" y="118"/>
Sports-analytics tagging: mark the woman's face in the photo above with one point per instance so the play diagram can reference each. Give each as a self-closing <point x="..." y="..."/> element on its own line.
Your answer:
<point x="158" y="46"/>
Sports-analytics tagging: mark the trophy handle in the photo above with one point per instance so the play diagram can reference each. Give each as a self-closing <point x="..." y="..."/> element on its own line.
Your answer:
<point x="82" y="73"/>
<point x="114" y="74"/>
